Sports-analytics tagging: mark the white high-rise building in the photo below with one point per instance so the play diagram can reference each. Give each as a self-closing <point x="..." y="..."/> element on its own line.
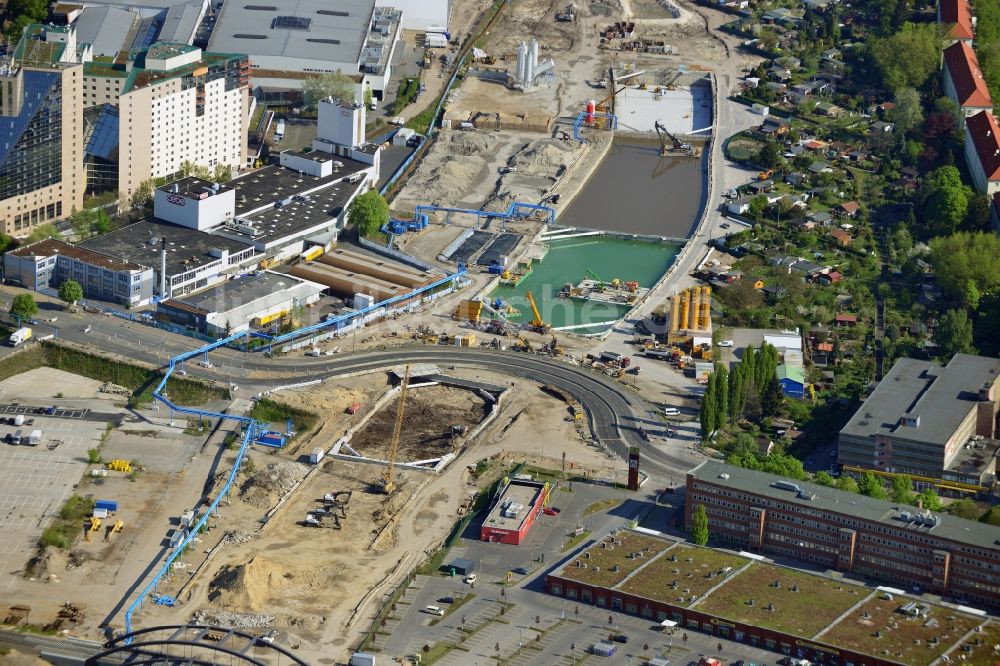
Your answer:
<point x="176" y="104"/>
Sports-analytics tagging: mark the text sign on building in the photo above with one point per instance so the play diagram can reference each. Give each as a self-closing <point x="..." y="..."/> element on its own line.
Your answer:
<point x="633" y="468"/>
<point x="176" y="199"/>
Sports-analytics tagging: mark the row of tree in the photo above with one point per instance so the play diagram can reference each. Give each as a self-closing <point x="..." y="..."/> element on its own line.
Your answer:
<point x="751" y="390"/>
<point x="24" y="306"/>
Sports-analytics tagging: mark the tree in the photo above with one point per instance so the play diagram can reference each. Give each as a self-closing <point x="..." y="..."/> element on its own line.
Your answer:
<point x="5" y="243"/>
<point x="945" y="201"/>
<point x="953" y="334"/>
<point x="964" y="257"/>
<point x="721" y="396"/>
<point x="908" y="113"/>
<point x="847" y="484"/>
<point x="368" y="212"/>
<point x="930" y="500"/>
<point x="189" y="168"/>
<point x="909" y="57"/>
<point x="977" y="217"/>
<point x="769" y="155"/>
<point x="223" y="173"/>
<point x="902" y="489"/>
<point x="707" y="413"/>
<point x="102" y="223"/>
<point x="823" y="479"/>
<point x="142" y="195"/>
<point x="336" y="84"/>
<point x="757" y="206"/>
<point x="41" y="232"/>
<point x="772" y="398"/>
<point x="699" y="525"/>
<point x="71" y="292"/>
<point x="964" y="508"/>
<point x="24" y="306"/>
<point x="871" y="485"/>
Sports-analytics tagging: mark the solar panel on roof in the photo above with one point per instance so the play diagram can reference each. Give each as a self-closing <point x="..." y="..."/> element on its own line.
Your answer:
<point x="291" y="23"/>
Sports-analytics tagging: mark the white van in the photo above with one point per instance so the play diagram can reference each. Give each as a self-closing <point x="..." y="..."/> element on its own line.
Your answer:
<point x="434" y="610"/>
<point x="471" y="578"/>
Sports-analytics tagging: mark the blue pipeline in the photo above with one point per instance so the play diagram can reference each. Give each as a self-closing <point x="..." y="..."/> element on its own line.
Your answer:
<point x="583" y="117"/>
<point x="251" y="428"/>
<point x="515" y="211"/>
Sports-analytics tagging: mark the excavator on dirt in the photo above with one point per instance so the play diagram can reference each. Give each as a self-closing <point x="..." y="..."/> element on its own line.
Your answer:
<point x="676" y="145"/>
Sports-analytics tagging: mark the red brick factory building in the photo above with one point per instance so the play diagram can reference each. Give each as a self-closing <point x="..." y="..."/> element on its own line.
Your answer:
<point x="517" y="504"/>
<point x="852" y="533"/>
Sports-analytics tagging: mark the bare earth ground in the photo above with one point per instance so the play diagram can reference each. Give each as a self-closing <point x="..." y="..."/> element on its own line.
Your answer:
<point x="310" y="579"/>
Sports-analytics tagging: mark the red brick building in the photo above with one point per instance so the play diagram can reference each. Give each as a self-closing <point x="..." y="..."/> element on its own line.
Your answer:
<point x="880" y="540"/>
<point x="515" y="508"/>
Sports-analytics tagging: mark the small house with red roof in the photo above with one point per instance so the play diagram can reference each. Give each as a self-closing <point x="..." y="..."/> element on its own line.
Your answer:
<point x="982" y="151"/>
<point x="963" y="80"/>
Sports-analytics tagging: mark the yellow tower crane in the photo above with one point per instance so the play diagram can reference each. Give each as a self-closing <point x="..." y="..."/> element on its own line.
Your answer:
<point x="388" y="484"/>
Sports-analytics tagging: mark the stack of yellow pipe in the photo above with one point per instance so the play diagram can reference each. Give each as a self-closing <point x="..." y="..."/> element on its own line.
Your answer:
<point x="706" y="305"/>
<point x="692" y="323"/>
<point x="675" y="311"/>
<point x="685" y="307"/>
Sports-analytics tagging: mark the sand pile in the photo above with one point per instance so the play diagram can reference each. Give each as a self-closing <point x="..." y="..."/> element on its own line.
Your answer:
<point x="471" y="143"/>
<point x="248" y="587"/>
<point x="454" y="176"/>
<point x="48" y="564"/>
<point x="266" y="486"/>
<point x="15" y="658"/>
<point x="546" y="157"/>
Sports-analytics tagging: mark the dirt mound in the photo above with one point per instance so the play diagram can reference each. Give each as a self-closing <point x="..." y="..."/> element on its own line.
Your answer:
<point x="15" y="658"/>
<point x="471" y="143"/>
<point x="546" y="157"/>
<point x="248" y="587"/>
<point x="455" y="175"/>
<point x="266" y="486"/>
<point x="49" y="563"/>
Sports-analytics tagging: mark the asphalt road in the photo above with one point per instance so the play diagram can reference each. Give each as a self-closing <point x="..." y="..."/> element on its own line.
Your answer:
<point x="615" y="412"/>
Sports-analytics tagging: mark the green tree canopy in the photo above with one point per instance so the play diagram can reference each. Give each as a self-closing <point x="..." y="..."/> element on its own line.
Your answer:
<point x="967" y="257"/>
<point x="909" y="57"/>
<point x="699" y="525"/>
<point x="43" y="231"/>
<point x="953" y="334"/>
<point x="902" y="489"/>
<point x="871" y="485"/>
<point x="70" y="291"/>
<point x="945" y="201"/>
<point x="930" y="500"/>
<point x="769" y="156"/>
<point x="848" y="484"/>
<point x="823" y="479"/>
<point x="330" y="84"/>
<point x="908" y="113"/>
<point x="24" y="306"/>
<point x="964" y="508"/>
<point x="368" y="212"/>
<point x="5" y="243"/>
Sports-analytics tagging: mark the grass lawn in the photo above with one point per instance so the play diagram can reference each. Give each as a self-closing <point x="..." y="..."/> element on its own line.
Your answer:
<point x="901" y="638"/>
<point x="817" y="603"/>
<point x="654" y="582"/>
<point x="605" y="556"/>
<point x="981" y="646"/>
<point x="602" y="505"/>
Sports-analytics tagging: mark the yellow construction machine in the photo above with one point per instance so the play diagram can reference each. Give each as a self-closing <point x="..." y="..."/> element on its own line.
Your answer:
<point x="95" y="525"/>
<point x="537" y="324"/>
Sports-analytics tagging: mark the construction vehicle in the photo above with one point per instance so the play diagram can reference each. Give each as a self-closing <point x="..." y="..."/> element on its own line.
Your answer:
<point x="115" y="529"/>
<point x="676" y="146"/>
<point x="95" y="525"/>
<point x="567" y="15"/>
<point x="537" y="324"/>
<point x="601" y="284"/>
<point x="764" y="175"/>
<point x="120" y="466"/>
<point x="388" y="482"/>
<point x="522" y="344"/>
<point x="322" y="518"/>
<point x="554" y="347"/>
<point x="337" y="501"/>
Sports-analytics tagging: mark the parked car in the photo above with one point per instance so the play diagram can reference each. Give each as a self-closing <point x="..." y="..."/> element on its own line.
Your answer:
<point x="620" y="638"/>
<point x="551" y="511"/>
<point x="671" y="411"/>
<point x="726" y="343"/>
<point x="446" y="600"/>
<point x="520" y="571"/>
<point x="434" y="610"/>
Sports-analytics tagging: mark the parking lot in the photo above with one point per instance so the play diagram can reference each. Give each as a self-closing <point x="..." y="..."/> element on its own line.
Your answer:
<point x="34" y="483"/>
<point x="521" y="624"/>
